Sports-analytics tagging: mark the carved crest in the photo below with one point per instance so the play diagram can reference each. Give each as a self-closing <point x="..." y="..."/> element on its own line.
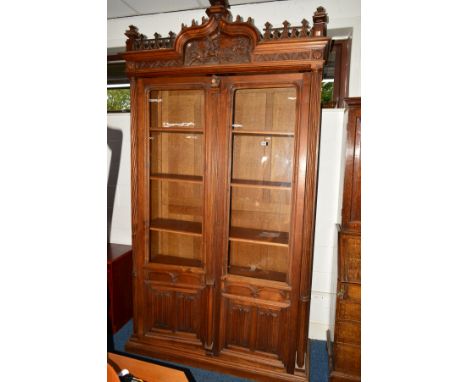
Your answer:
<point x="218" y="49"/>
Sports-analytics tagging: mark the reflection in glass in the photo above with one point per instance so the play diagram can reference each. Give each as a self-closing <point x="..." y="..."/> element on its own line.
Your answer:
<point x="175" y="109"/>
<point x="262" y="158"/>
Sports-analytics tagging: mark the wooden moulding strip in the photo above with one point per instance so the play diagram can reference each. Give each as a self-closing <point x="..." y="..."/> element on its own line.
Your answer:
<point x="174" y="260"/>
<point x="258" y="274"/>
<point x="177" y="178"/>
<point x="257" y="236"/>
<point x="176" y="226"/>
<point x="178" y="130"/>
<point x="261" y="132"/>
<point x="233" y="279"/>
<point x="261" y="184"/>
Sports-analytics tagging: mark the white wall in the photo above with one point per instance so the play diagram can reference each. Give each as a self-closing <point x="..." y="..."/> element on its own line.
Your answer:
<point x="342" y="14"/>
<point x="329" y="200"/>
<point x="121" y="232"/>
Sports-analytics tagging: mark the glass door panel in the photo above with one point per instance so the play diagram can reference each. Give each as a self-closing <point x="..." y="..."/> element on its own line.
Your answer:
<point x="177" y="109"/>
<point x="175" y="248"/>
<point x="261" y="261"/>
<point x="262" y="159"/>
<point x="176" y="153"/>
<point x="260" y="208"/>
<point x="271" y="109"/>
<point x="176" y="200"/>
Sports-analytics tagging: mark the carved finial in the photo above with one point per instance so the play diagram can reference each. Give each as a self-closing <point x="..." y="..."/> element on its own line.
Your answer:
<point x="267" y="34"/>
<point x="320" y="22"/>
<point x="294" y="32"/>
<point x="250" y="21"/>
<point x="132" y="34"/>
<point x="172" y="36"/>
<point x="141" y="41"/>
<point x="156" y="40"/>
<point x="194" y="23"/>
<point x="285" y="33"/>
<point x="238" y="19"/>
<point x="204" y="20"/>
<point x="304" y="29"/>
<point x="222" y="3"/>
<point x="183" y="26"/>
<point x="219" y="9"/>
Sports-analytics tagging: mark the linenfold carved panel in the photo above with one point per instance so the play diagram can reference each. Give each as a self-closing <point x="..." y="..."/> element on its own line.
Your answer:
<point x="218" y="49"/>
<point x="268" y="331"/>
<point x="174" y="309"/>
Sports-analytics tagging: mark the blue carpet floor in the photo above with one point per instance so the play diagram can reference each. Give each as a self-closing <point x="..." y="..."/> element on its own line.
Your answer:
<point x="318" y="360"/>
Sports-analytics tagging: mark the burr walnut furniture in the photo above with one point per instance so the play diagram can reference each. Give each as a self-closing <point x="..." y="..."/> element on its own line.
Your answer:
<point x="346" y="349"/>
<point x="225" y="128"/>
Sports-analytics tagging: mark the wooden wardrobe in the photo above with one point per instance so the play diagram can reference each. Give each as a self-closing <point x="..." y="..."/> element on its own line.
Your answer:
<point x="225" y="129"/>
<point x="345" y="353"/>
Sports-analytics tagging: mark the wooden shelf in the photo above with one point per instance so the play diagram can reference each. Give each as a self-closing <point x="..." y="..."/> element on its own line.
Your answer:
<point x="269" y="133"/>
<point x="177" y="226"/>
<point x="175" y="130"/>
<point x="257" y="236"/>
<point x="174" y="260"/>
<point x="260" y="184"/>
<point x="257" y="273"/>
<point x="177" y="178"/>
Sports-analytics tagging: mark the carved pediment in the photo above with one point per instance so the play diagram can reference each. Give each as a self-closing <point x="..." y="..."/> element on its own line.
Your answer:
<point x="222" y="40"/>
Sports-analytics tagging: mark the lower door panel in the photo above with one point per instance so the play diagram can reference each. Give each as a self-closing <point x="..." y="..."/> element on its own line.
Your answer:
<point x="175" y="312"/>
<point x="254" y="323"/>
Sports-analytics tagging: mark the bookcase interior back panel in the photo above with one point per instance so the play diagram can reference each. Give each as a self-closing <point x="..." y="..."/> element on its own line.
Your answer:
<point x="269" y="109"/>
<point x="176" y="154"/>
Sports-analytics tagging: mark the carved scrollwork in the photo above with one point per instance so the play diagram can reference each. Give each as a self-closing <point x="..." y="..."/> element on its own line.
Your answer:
<point x="218" y="49"/>
<point x="317" y="54"/>
<point x="283" y="56"/>
<point x="158" y="64"/>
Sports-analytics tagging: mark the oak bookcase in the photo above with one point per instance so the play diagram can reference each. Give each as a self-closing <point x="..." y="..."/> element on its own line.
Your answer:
<point x="225" y="132"/>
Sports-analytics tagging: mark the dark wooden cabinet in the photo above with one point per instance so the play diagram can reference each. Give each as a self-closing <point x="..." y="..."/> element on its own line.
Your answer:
<point x="119" y="284"/>
<point x="345" y="352"/>
<point x="351" y="212"/>
<point x="225" y="129"/>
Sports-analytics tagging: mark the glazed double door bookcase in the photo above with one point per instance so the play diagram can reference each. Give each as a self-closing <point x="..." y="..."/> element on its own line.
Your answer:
<point x="225" y="129"/>
<point x="257" y="169"/>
